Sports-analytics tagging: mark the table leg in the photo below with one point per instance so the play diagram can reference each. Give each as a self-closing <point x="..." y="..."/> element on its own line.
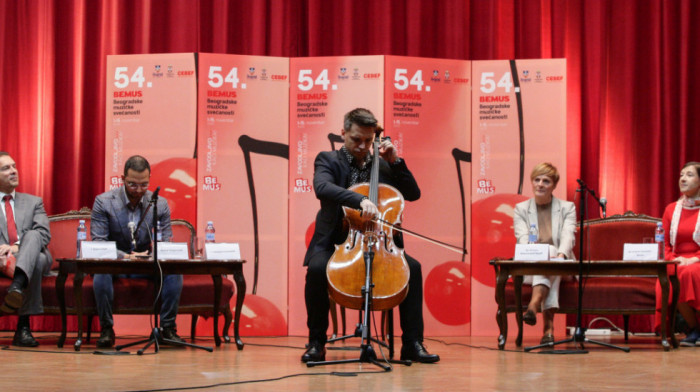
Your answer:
<point x="501" y="316"/>
<point x="78" y="297"/>
<point x="217" y="300"/>
<point x="239" y="279"/>
<point x="518" y="291"/>
<point x="663" y="281"/>
<point x="61" y="294"/>
<point x="676" y="290"/>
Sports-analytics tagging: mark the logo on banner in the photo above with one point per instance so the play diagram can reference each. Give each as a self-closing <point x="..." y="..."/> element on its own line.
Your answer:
<point x="115" y="182"/>
<point x="558" y="78"/>
<point x="461" y="80"/>
<point x="302" y="185"/>
<point x="343" y="75"/>
<point x="436" y="76"/>
<point x="278" y="77"/>
<point x="356" y="74"/>
<point x="212" y="145"/>
<point x="170" y="71"/>
<point x="485" y="187"/>
<point x="447" y="76"/>
<point x="157" y="73"/>
<point x="211" y="184"/>
<point x="538" y="77"/>
<point x="526" y="76"/>
<point x="251" y="73"/>
<point x="374" y="75"/>
<point x="263" y="74"/>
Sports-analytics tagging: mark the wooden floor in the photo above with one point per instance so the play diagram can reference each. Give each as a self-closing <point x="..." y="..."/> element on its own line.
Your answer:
<point x="272" y="364"/>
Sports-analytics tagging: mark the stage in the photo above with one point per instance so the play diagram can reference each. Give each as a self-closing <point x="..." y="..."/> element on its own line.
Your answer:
<point x="272" y="363"/>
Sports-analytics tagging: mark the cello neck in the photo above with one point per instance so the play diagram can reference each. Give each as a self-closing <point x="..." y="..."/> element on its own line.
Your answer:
<point x="374" y="176"/>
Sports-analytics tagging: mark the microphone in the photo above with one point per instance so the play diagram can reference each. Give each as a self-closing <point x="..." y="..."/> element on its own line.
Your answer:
<point x="603" y="204"/>
<point x="155" y="194"/>
<point x="132" y="229"/>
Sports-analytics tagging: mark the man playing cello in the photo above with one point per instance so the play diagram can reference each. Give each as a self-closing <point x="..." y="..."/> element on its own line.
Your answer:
<point x="334" y="173"/>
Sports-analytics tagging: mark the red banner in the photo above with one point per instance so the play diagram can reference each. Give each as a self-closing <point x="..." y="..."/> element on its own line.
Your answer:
<point x="151" y="111"/>
<point x="425" y="101"/>
<point x="243" y="158"/>
<point x="322" y="90"/>
<point x="517" y="123"/>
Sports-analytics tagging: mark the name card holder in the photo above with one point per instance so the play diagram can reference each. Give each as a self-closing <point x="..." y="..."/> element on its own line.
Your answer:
<point x="531" y="252"/>
<point x="98" y="250"/>
<point x="641" y="252"/>
<point x="222" y="251"/>
<point x="173" y="251"/>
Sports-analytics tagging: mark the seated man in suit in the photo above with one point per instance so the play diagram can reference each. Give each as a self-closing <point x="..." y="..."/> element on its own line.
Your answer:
<point x="24" y="235"/>
<point x="111" y="219"/>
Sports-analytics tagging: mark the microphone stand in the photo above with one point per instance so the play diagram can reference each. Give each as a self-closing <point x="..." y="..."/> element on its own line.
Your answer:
<point x="579" y="336"/>
<point x="155" y="338"/>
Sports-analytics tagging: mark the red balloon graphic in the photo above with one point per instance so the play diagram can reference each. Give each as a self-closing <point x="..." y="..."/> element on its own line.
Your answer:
<point x="492" y="225"/>
<point x="310" y="233"/>
<point x="259" y="317"/>
<point x="447" y="292"/>
<point x="177" y="178"/>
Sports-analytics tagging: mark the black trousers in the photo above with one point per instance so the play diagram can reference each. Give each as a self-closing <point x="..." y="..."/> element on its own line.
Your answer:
<point x="318" y="304"/>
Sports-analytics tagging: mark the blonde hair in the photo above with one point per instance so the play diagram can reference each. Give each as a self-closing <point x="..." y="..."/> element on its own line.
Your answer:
<point x="545" y="169"/>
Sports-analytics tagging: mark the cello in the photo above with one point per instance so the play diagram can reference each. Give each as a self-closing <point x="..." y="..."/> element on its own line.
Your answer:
<point x="370" y="244"/>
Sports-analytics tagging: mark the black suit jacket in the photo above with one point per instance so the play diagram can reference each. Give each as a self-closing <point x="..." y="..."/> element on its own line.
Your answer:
<point x="331" y="170"/>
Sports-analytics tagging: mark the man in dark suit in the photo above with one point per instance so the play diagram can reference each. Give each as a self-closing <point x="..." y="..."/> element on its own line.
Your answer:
<point x="111" y="219"/>
<point x="24" y="235"/>
<point x="334" y="173"/>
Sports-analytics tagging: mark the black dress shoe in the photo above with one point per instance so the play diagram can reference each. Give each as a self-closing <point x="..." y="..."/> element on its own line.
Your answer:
<point x="23" y="338"/>
<point x="530" y="318"/>
<point x="106" y="339"/>
<point x="13" y="299"/>
<point x="416" y="352"/>
<point x="316" y="352"/>
<point x="171" y="334"/>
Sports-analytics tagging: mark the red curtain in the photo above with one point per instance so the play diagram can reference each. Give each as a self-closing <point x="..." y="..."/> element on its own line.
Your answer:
<point x="632" y="120"/>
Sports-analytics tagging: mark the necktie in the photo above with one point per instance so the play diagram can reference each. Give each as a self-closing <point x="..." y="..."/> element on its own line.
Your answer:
<point x="10" y="217"/>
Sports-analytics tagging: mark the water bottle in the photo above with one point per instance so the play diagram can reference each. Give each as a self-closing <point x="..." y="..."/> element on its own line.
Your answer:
<point x="82" y="236"/>
<point x="659" y="239"/>
<point x="159" y="236"/>
<point x="532" y="234"/>
<point x="209" y="232"/>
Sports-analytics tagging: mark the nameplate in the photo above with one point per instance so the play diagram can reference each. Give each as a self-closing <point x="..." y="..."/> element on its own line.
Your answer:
<point x="222" y="251"/>
<point x="642" y="252"/>
<point x="173" y="251"/>
<point x="98" y="250"/>
<point x="531" y="252"/>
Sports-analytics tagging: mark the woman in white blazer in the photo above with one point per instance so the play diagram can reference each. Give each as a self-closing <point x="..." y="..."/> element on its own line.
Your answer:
<point x="555" y="220"/>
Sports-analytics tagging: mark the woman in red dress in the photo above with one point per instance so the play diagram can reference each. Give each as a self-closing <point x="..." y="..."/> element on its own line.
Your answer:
<point x="682" y="243"/>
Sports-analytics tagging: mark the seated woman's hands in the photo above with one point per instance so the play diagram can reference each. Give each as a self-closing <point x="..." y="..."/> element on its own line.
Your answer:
<point x="686" y="260"/>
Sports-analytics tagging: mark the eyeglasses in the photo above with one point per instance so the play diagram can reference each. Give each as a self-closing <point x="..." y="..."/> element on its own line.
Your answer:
<point x="133" y="185"/>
